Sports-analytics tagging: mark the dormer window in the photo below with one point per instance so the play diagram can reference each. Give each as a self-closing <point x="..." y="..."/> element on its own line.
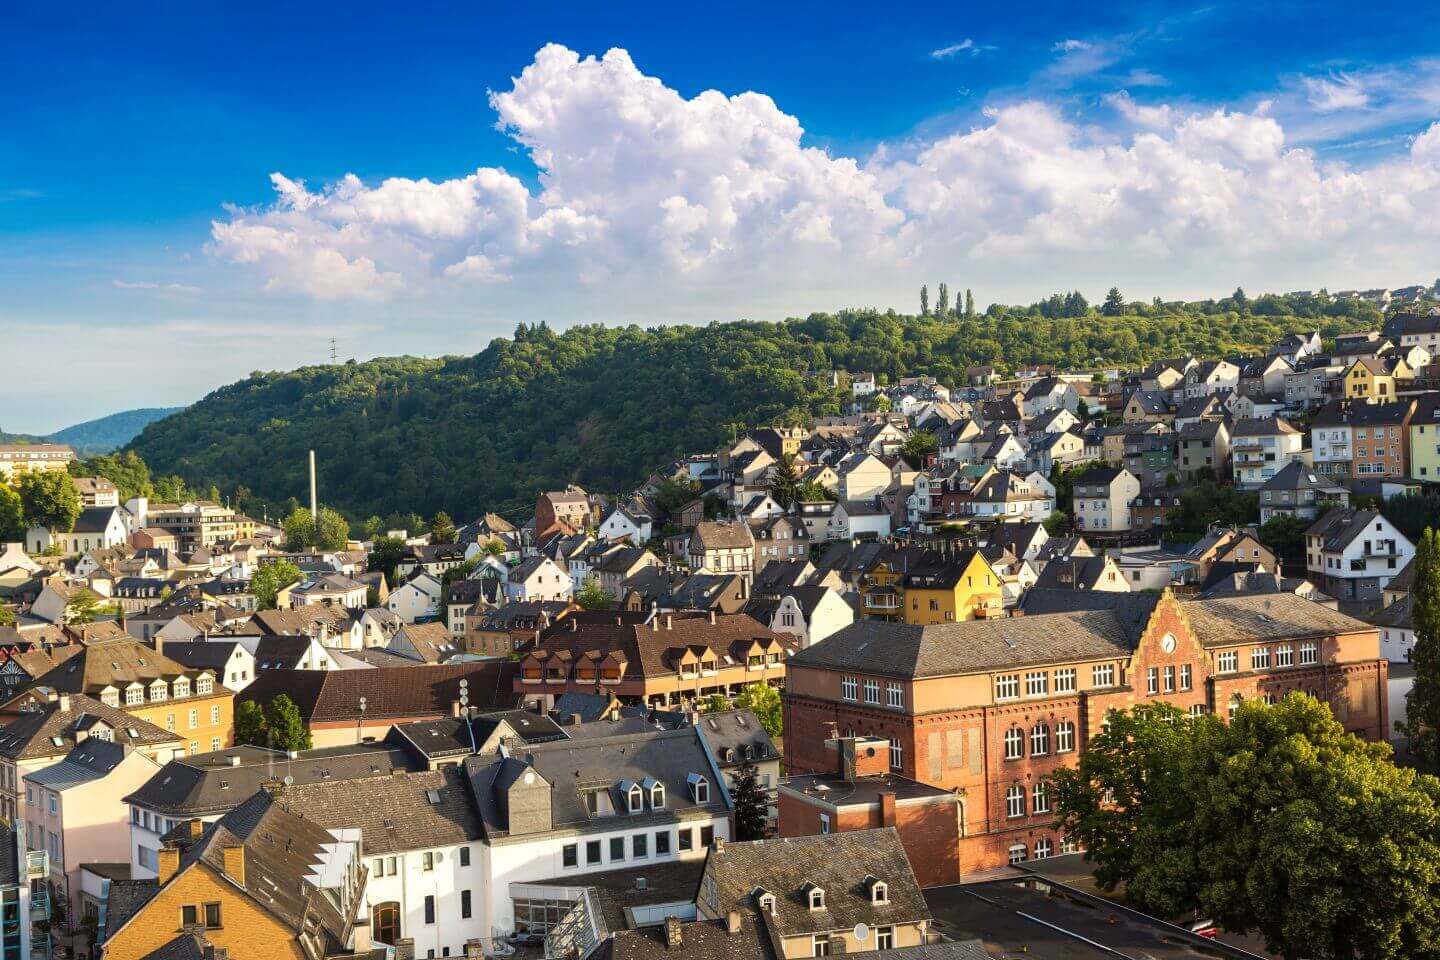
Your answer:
<point x="699" y="788"/>
<point x="814" y="897"/>
<point x="765" y="900"/>
<point x="204" y="686"/>
<point x="879" y="890"/>
<point x="182" y="687"/>
<point x="134" y="695"/>
<point x="634" y="797"/>
<point x="158" y="691"/>
<point x="657" y="796"/>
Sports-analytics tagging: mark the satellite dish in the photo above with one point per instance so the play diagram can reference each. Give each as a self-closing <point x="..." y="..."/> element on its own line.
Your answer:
<point x="861" y="932"/>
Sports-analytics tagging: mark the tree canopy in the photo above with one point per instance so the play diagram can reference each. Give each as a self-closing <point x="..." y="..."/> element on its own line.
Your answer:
<point x="1278" y="822"/>
<point x="50" y="500"/>
<point x="602" y="406"/>
<point x="270" y="579"/>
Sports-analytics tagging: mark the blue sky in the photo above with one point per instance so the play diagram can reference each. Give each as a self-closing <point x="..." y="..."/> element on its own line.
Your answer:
<point x="1173" y="149"/>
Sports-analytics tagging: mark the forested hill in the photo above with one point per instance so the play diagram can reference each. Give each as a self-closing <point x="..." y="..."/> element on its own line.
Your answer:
<point x="604" y="406"/>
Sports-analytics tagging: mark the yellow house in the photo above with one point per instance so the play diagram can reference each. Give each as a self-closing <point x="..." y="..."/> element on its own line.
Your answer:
<point x="1373" y="379"/>
<point x="262" y="884"/>
<point x="1425" y="439"/>
<point x="918" y="587"/>
<point x="963" y="588"/>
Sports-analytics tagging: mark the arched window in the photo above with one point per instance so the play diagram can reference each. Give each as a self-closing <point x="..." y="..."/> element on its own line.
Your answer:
<point x="385" y="923"/>
<point x="1014" y="744"/>
<point x="1040" y="740"/>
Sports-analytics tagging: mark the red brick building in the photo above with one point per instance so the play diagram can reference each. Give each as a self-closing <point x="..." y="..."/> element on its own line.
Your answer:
<point x="861" y="794"/>
<point x="989" y="708"/>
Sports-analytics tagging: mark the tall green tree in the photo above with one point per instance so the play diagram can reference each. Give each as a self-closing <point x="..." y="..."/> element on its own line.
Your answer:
<point x="442" y="528"/>
<point x="969" y="305"/>
<point x="12" y="516"/>
<point x="917" y="447"/>
<point x="763" y="700"/>
<point x="1278" y="822"/>
<point x="385" y="555"/>
<point x="924" y="300"/>
<point x="785" y="480"/>
<point x="299" y="529"/>
<point x="942" y="301"/>
<point x="250" y="723"/>
<point x="1422" y="703"/>
<point x="50" y="500"/>
<point x="285" y="726"/>
<point x="270" y="579"/>
<point x="752" y="807"/>
<point x="1114" y="303"/>
<point x="85" y="606"/>
<point x="592" y="596"/>
<point x="333" y="530"/>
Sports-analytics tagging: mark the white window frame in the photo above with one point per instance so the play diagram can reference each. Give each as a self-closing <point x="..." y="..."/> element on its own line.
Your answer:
<point x="1014" y="802"/>
<point x="850" y="688"/>
<point x="1039" y="740"/>
<point x="1007" y="686"/>
<point x="1064" y="736"/>
<point x="1065" y="680"/>
<point x="1014" y="744"/>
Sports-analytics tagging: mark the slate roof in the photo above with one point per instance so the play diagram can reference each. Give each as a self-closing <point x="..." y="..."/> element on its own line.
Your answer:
<point x="710" y="535"/>
<point x="1073" y="573"/>
<point x="92" y="759"/>
<point x="916" y="652"/>
<point x="730" y="732"/>
<point x="450" y="737"/>
<point x="1340" y="526"/>
<point x="407" y="811"/>
<point x="604" y="762"/>
<point x="839" y="863"/>
<point x="211" y="655"/>
<point x="417" y="691"/>
<point x="1300" y="476"/>
<point x="1281" y="616"/>
<point x="211" y="783"/>
<point x="33" y="733"/>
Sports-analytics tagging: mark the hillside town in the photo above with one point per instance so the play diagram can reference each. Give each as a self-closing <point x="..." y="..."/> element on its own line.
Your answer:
<point x="802" y="695"/>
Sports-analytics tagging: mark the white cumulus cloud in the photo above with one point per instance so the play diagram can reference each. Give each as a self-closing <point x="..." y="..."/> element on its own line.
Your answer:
<point x="648" y="197"/>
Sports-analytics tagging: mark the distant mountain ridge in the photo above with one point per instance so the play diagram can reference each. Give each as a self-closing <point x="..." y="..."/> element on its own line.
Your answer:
<point x="100" y="435"/>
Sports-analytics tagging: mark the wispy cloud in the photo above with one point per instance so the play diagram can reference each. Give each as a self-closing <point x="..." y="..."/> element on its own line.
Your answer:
<point x="1339" y="91"/>
<point x="968" y="45"/>
<point x="151" y="285"/>
<point x="20" y="193"/>
<point x="1140" y="77"/>
<point x="1068" y="46"/>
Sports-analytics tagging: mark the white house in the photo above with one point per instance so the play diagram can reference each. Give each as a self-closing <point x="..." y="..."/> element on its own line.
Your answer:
<point x="538" y="578"/>
<point x="855" y="519"/>
<point x="1102" y="500"/>
<point x="1259" y="449"/>
<point x="95" y="528"/>
<point x="1049" y="393"/>
<point x="556" y="815"/>
<point x="623" y="524"/>
<point x="1354" y="554"/>
<point x="417" y="598"/>
<point x="811" y="613"/>
<point x="862" y="475"/>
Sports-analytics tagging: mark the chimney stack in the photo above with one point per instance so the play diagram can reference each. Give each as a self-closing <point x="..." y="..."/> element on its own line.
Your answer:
<point x="673" y="938"/>
<point x="732" y="922"/>
<point x="235" y="863"/>
<point x="197" y="828"/>
<point x="168" y="864"/>
<point x="887" y="808"/>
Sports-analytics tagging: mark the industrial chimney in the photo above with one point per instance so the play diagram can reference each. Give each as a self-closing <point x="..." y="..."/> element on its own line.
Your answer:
<point x="314" y="511"/>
